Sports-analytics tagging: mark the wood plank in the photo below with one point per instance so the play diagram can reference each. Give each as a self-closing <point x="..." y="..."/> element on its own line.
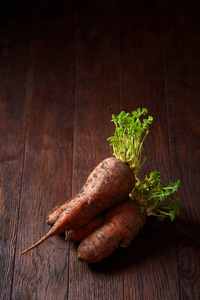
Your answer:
<point x="182" y="71"/>
<point x="97" y="97"/>
<point x="151" y="259"/>
<point x="85" y="61"/>
<point x="47" y="178"/>
<point x="13" y="117"/>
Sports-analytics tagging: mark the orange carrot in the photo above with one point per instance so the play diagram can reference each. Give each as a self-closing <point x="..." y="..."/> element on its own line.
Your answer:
<point x="54" y="214"/>
<point x="78" y="235"/>
<point x="109" y="183"/>
<point x="122" y="223"/>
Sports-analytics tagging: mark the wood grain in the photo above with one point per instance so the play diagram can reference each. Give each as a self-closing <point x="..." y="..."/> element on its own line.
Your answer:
<point x="142" y="85"/>
<point x="47" y="178"/>
<point x="65" y="67"/>
<point x="13" y="118"/>
<point x="182" y="69"/>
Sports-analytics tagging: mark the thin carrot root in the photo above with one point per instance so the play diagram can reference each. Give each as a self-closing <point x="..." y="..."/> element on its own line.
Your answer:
<point x="44" y="238"/>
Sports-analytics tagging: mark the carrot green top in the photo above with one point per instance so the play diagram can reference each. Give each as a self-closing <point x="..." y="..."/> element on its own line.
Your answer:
<point x="127" y="143"/>
<point x="151" y="193"/>
<point x="129" y="136"/>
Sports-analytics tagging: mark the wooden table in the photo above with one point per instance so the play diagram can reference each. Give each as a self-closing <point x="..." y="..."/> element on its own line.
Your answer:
<point x="65" y="68"/>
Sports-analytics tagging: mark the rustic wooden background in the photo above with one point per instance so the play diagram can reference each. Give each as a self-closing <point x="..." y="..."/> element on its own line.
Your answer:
<point x="65" y="67"/>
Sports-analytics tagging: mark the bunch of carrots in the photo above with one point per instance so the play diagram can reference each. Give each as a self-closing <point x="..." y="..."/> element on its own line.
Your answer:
<point x="113" y="204"/>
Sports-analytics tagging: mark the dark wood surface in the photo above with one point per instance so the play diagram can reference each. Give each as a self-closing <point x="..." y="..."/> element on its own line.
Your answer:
<point x="65" y="67"/>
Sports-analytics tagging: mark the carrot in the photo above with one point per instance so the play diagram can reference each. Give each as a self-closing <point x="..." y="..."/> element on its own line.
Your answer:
<point x="54" y="214"/>
<point x="78" y="235"/>
<point x="112" y="181"/>
<point x="122" y="223"/>
<point x="124" y="220"/>
<point x="109" y="183"/>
